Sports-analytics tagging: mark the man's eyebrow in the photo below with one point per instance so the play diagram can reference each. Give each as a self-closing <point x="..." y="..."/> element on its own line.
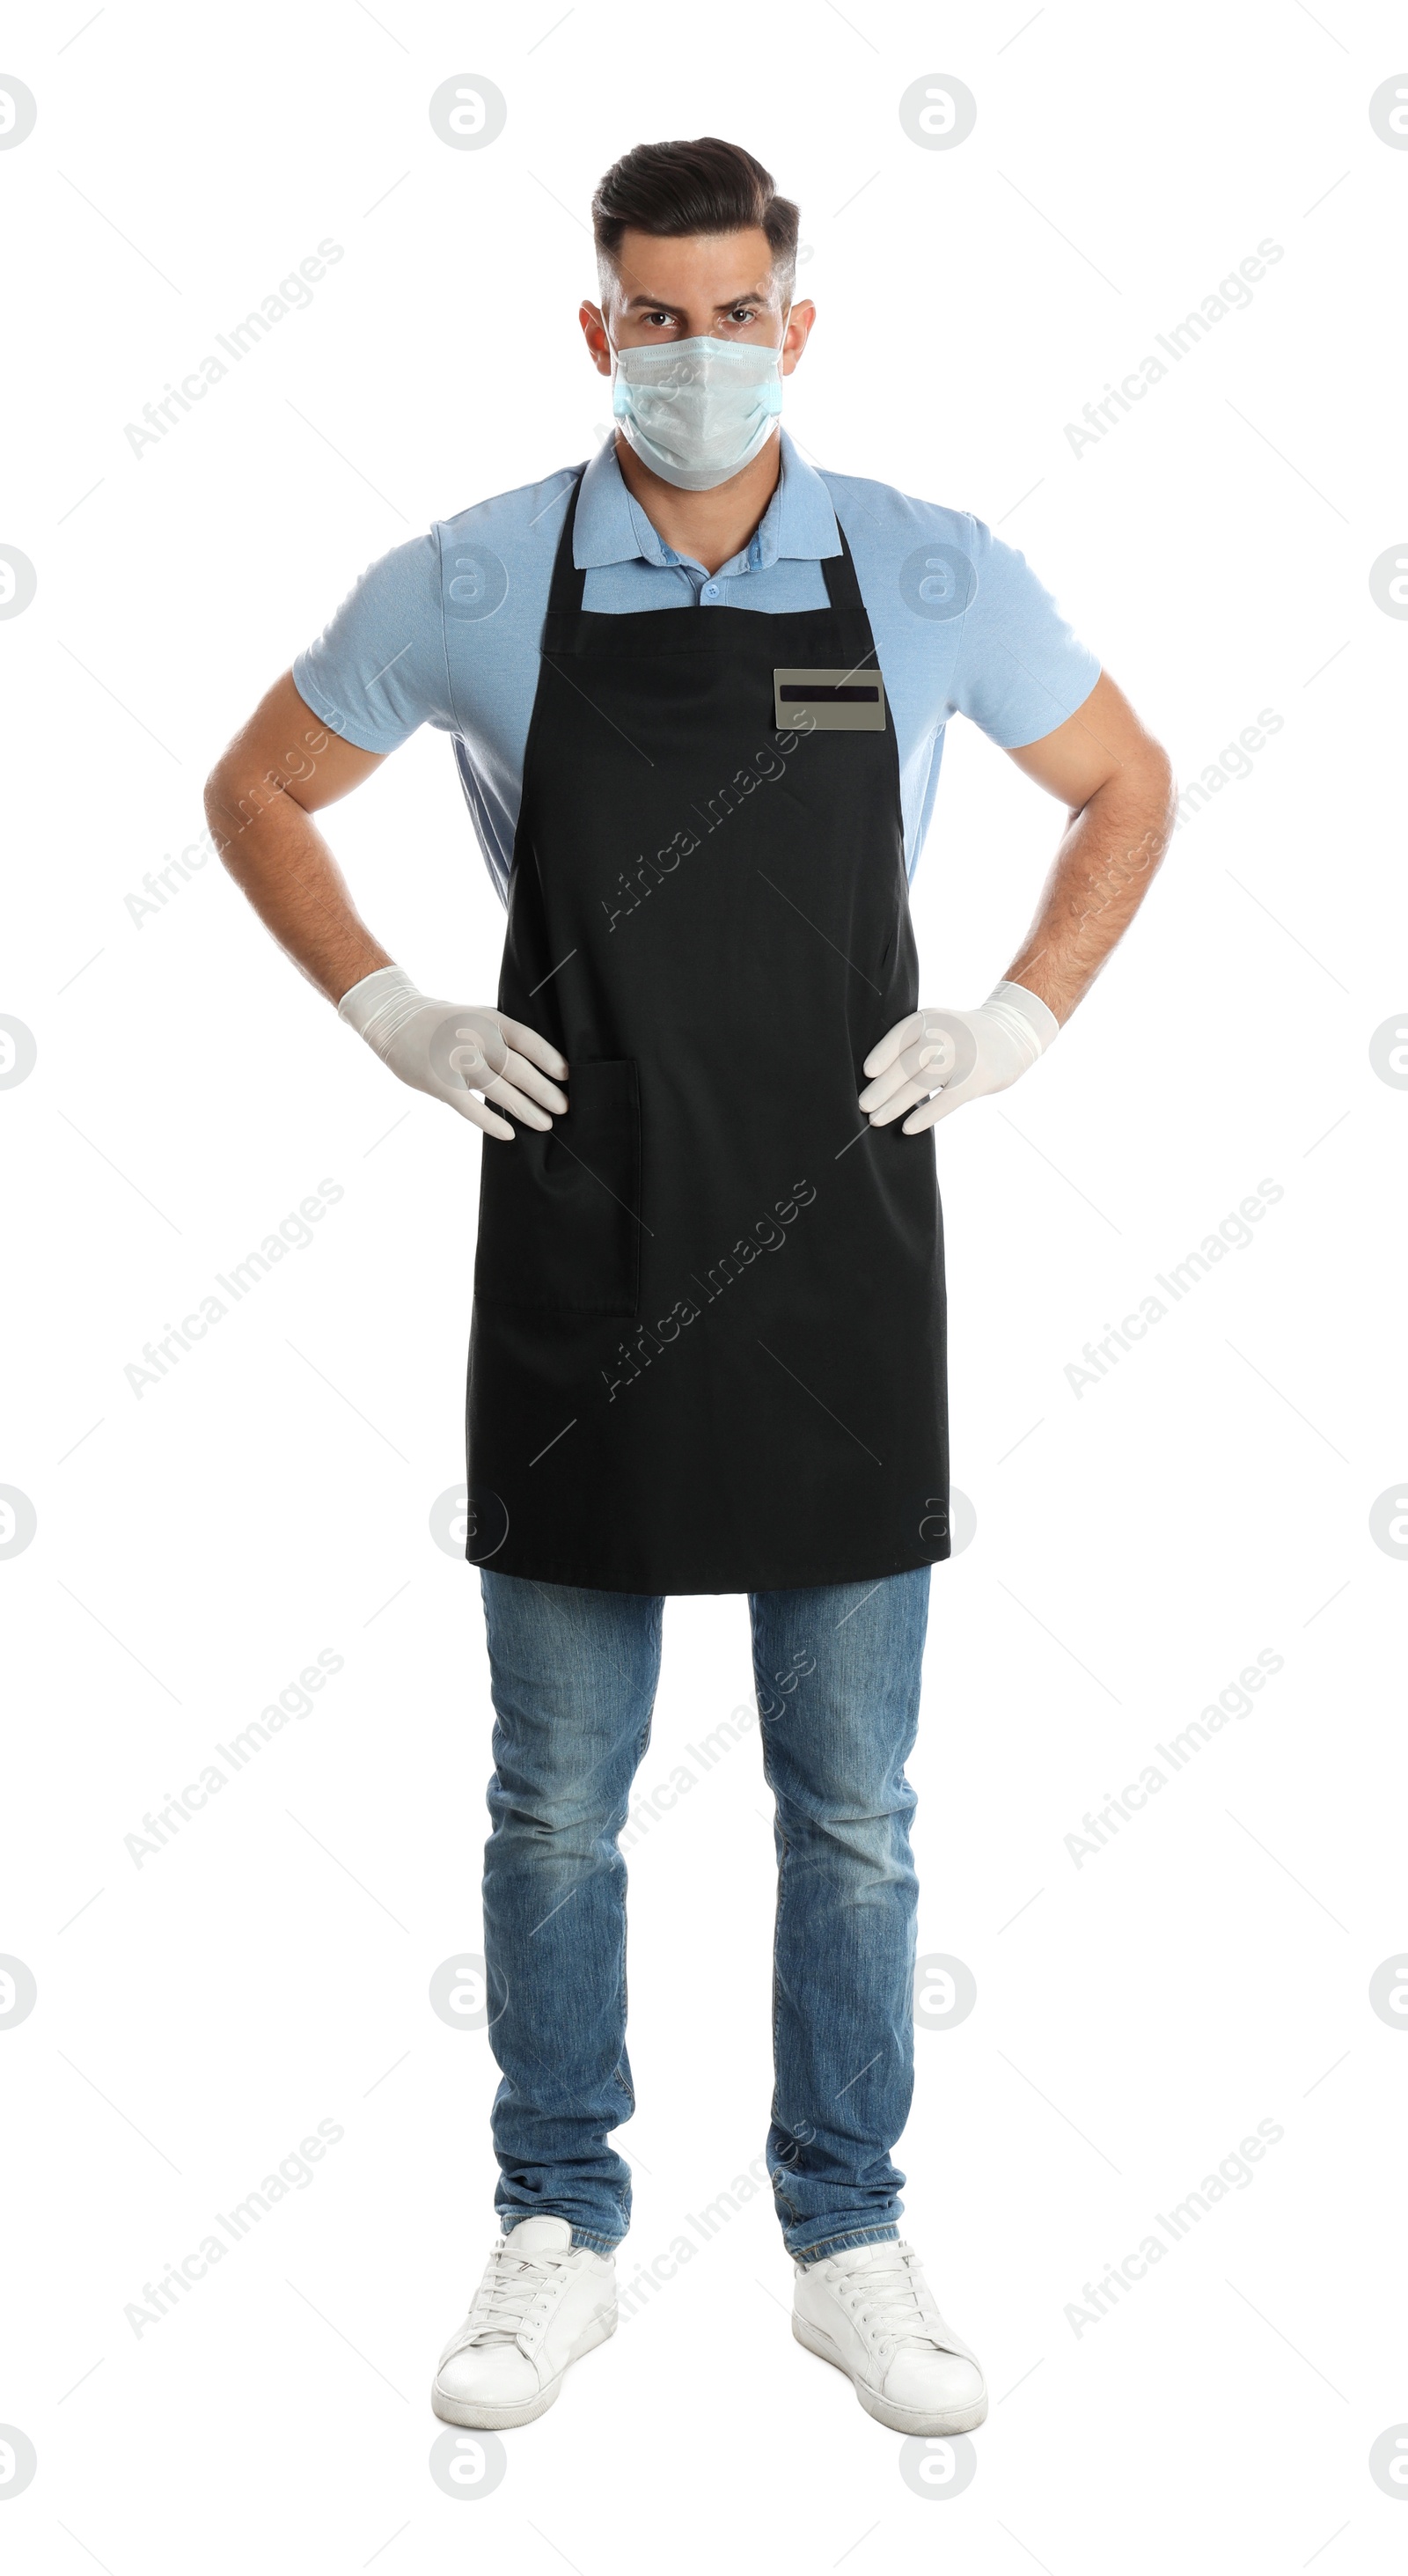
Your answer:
<point x="662" y="304"/>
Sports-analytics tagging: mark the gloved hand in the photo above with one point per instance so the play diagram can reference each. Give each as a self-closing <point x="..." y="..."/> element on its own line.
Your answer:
<point x="453" y="1053"/>
<point x="956" y="1055"/>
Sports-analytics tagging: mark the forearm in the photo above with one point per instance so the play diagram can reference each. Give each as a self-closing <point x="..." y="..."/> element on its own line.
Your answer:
<point x="1102" y="872"/>
<point x="274" y="850"/>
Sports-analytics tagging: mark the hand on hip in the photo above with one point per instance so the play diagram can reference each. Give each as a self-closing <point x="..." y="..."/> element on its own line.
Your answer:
<point x="934" y="1060"/>
<point x="465" y="1055"/>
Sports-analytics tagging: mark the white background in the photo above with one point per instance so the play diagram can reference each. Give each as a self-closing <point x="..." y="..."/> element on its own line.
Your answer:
<point x="1137" y="1545"/>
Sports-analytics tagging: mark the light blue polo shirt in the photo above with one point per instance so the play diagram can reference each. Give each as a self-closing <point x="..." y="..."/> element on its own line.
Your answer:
<point x="446" y="629"/>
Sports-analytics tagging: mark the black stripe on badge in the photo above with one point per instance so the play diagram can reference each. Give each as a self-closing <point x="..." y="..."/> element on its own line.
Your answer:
<point x="829" y="701"/>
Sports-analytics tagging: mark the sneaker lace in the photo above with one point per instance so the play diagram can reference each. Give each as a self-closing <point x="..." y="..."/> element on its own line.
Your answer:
<point x="884" y="2296"/>
<point x="513" y="2288"/>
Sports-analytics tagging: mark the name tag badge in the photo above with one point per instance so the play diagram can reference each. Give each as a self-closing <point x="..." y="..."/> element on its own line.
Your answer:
<point x="829" y="701"/>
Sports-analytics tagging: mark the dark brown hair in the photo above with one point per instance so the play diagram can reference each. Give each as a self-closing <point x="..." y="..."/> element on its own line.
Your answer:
<point x="700" y="187"/>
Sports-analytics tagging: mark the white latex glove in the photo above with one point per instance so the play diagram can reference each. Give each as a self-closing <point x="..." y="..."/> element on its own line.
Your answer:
<point x="955" y="1055"/>
<point x="453" y="1052"/>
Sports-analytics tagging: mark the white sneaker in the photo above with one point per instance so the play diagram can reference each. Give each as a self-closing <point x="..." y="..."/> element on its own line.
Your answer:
<point x="871" y="2312"/>
<point x="540" y="2305"/>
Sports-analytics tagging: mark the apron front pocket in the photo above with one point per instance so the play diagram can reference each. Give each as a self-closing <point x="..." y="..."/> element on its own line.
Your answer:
<point x="559" y="1218"/>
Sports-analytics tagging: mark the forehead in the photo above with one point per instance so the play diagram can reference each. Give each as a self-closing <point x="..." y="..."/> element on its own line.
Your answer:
<point x="716" y="269"/>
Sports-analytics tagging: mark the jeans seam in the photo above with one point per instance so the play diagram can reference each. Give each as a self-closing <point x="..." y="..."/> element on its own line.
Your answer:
<point x="777" y="1913"/>
<point x="642" y="1748"/>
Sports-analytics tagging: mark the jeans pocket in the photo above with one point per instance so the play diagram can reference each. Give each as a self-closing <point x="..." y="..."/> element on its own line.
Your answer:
<point x="559" y="1223"/>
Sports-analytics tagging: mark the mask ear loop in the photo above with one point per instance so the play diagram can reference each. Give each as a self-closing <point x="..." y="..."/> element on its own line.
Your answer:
<point x="618" y="408"/>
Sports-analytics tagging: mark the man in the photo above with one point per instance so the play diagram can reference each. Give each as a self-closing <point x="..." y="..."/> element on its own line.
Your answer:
<point x="707" y="1350"/>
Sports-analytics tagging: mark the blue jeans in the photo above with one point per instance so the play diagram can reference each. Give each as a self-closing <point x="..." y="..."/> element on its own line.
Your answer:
<point x="574" y="1675"/>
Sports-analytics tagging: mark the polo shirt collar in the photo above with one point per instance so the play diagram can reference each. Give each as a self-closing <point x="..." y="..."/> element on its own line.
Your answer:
<point x="611" y="526"/>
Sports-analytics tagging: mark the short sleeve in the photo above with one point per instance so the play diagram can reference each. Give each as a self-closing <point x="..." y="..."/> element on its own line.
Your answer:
<point x="377" y="671"/>
<point x="1021" y="669"/>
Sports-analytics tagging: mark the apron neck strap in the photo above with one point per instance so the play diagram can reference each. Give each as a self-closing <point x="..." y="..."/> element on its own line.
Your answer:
<point x="569" y="579"/>
<point x="839" y="572"/>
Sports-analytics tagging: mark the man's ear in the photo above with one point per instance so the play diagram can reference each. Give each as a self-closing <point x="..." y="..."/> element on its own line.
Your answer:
<point x="594" y="332"/>
<point x="797" y="334"/>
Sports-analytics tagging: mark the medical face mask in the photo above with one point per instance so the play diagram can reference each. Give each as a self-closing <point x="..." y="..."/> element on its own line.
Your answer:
<point x="697" y="411"/>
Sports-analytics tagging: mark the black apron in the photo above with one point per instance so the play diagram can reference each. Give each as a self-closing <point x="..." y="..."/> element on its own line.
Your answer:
<point x="707" y="1352"/>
